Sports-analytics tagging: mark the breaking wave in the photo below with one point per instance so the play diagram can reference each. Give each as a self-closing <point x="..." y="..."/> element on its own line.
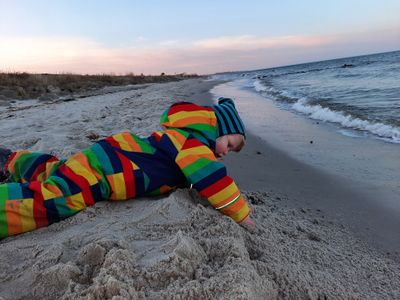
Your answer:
<point x="325" y="114"/>
<point x="318" y="112"/>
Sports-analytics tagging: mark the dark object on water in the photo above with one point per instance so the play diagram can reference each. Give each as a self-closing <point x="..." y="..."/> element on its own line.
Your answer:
<point x="258" y="152"/>
<point x="347" y="66"/>
<point x="311" y="142"/>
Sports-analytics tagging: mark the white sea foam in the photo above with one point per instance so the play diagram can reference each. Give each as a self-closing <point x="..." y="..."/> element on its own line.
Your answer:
<point x="318" y="112"/>
<point x="259" y="87"/>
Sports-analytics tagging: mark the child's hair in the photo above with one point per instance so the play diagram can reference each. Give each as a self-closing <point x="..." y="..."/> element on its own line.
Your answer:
<point x="228" y="119"/>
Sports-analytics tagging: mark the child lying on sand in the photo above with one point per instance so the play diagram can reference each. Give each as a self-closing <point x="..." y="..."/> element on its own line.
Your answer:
<point x="44" y="189"/>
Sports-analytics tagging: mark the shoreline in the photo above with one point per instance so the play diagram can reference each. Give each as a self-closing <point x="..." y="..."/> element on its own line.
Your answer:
<point x="262" y="166"/>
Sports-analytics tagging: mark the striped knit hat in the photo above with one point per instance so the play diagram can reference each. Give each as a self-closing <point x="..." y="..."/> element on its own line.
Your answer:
<point x="228" y="118"/>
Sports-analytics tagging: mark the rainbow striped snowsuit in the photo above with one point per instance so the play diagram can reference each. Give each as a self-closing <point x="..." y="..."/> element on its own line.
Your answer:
<point x="46" y="190"/>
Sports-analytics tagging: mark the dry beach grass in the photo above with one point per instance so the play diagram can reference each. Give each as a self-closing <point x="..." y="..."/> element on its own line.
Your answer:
<point x="15" y="85"/>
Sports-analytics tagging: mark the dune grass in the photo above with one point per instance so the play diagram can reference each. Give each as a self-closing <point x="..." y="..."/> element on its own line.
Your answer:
<point x="28" y="86"/>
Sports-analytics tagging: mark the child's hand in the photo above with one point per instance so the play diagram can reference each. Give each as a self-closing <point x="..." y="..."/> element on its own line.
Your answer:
<point x="248" y="224"/>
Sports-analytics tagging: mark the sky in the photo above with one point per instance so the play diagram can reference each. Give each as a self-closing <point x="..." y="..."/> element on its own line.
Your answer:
<point x="176" y="36"/>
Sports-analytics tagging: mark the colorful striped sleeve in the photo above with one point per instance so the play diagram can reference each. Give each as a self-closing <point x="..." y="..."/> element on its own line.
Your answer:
<point x="209" y="177"/>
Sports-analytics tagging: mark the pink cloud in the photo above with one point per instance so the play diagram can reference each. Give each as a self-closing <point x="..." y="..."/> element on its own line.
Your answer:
<point x="55" y="55"/>
<point x="248" y="42"/>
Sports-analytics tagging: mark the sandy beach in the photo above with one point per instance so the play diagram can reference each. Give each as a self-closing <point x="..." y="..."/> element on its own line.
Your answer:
<point x="177" y="246"/>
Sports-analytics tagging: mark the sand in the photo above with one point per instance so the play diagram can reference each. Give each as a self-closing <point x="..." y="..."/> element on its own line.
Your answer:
<point x="177" y="246"/>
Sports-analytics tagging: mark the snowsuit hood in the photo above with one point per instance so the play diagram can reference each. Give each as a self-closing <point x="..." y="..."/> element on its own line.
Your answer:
<point x="200" y="121"/>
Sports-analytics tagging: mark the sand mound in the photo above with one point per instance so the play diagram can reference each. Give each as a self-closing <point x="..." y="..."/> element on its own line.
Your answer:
<point x="177" y="248"/>
<point x="167" y="248"/>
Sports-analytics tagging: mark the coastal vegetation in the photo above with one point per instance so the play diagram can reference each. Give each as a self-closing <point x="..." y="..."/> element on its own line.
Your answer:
<point x="22" y="85"/>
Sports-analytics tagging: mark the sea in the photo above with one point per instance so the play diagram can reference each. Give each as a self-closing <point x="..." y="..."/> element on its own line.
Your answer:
<point x="359" y="94"/>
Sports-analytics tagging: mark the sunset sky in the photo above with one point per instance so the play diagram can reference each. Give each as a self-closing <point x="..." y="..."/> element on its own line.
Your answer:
<point x="154" y="36"/>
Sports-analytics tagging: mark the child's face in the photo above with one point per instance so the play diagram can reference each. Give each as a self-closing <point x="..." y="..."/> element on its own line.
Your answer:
<point x="227" y="143"/>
